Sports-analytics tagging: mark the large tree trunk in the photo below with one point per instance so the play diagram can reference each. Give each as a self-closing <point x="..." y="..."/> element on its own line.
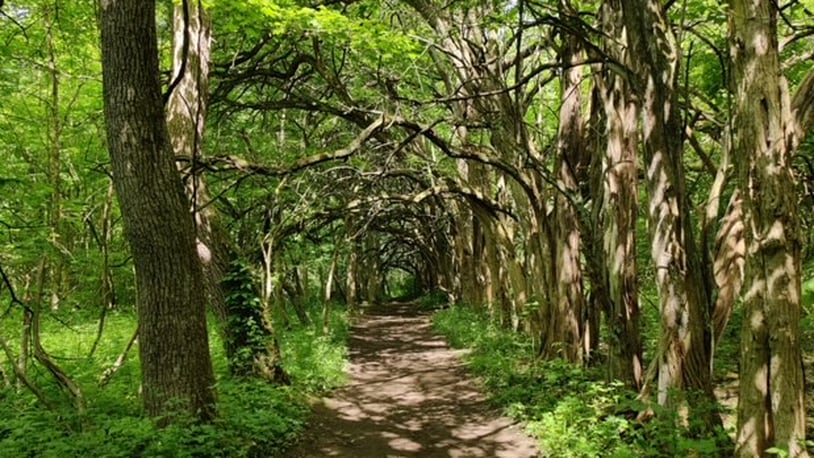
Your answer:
<point x="176" y="367"/>
<point x="186" y="121"/>
<point x="566" y="323"/>
<point x="619" y="209"/>
<point x="685" y="342"/>
<point x="771" y="408"/>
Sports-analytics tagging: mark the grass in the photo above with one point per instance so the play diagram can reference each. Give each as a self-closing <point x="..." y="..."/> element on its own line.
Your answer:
<point x="571" y="411"/>
<point x="255" y="418"/>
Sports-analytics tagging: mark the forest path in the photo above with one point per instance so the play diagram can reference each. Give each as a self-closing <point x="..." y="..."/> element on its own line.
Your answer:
<point x="408" y="395"/>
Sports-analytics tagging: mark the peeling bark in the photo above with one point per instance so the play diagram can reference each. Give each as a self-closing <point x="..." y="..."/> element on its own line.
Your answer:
<point x="771" y="407"/>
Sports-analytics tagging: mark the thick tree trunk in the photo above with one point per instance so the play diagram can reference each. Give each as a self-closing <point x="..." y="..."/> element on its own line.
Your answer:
<point x="186" y="122"/>
<point x="771" y="407"/>
<point x="619" y="209"/>
<point x="685" y="342"/>
<point x="176" y="367"/>
<point x="566" y="323"/>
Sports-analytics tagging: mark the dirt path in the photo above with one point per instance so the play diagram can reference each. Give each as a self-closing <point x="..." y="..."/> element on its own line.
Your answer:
<point x="408" y="396"/>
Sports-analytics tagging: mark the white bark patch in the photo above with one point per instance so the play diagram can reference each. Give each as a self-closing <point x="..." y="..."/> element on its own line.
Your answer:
<point x="204" y="253"/>
<point x="757" y="320"/>
<point x="777" y="233"/>
<point x="761" y="44"/>
<point x="649" y="122"/>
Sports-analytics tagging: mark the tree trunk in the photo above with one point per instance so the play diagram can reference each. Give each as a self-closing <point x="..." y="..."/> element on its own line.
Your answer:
<point x="56" y="262"/>
<point x="252" y="343"/>
<point x="619" y="209"/>
<point x="567" y="325"/>
<point x="177" y="371"/>
<point x="352" y="280"/>
<point x="683" y="356"/>
<point x="771" y="407"/>
<point x="186" y="122"/>
<point x="329" y="287"/>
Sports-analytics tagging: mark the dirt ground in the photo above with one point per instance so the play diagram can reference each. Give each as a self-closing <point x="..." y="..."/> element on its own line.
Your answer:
<point x="408" y="396"/>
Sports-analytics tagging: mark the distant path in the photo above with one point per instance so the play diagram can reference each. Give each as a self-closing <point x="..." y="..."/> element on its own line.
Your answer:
<point x="408" y="396"/>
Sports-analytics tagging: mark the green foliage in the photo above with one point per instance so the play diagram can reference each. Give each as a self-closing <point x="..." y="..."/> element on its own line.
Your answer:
<point x="570" y="410"/>
<point x="255" y="418"/>
<point x="314" y="361"/>
<point x="359" y="31"/>
<point x="432" y="300"/>
<point x="247" y="335"/>
<point x="808" y="295"/>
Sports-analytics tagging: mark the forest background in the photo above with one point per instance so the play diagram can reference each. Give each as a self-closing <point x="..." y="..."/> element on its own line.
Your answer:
<point x="615" y="195"/>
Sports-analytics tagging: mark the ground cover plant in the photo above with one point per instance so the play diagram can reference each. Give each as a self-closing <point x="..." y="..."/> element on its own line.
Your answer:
<point x="572" y="411"/>
<point x="623" y="186"/>
<point x="255" y="418"/>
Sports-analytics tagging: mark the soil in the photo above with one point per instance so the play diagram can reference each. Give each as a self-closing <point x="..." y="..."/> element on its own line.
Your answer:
<point x="409" y="395"/>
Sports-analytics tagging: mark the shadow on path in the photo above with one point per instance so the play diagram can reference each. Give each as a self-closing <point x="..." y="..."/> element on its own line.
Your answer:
<point x="408" y="396"/>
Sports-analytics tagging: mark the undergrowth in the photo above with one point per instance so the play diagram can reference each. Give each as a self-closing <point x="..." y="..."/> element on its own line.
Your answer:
<point x="255" y="418"/>
<point x="570" y="410"/>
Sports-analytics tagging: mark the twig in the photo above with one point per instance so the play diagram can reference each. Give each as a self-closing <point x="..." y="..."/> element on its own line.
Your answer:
<point x="24" y="378"/>
<point x="112" y="370"/>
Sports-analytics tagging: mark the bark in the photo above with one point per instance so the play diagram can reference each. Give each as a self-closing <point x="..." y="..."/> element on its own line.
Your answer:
<point x="108" y="292"/>
<point x="565" y="336"/>
<point x="177" y="374"/>
<point x="728" y="265"/>
<point x="479" y="95"/>
<point x="771" y="407"/>
<point x="599" y="301"/>
<point x="329" y="287"/>
<point x="351" y="281"/>
<point x="56" y="263"/>
<point x="240" y="326"/>
<point x="684" y="351"/>
<point x="186" y="116"/>
<point x="620" y="207"/>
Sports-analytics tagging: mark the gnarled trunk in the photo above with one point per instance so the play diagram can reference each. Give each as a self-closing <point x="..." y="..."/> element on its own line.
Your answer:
<point x="684" y="350"/>
<point x="619" y="209"/>
<point x="771" y="407"/>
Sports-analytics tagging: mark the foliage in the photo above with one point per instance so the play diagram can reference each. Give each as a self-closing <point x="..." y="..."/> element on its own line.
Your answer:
<point x="246" y="336"/>
<point x="317" y="362"/>
<point x="292" y="79"/>
<point x="255" y="418"/>
<point x="570" y="410"/>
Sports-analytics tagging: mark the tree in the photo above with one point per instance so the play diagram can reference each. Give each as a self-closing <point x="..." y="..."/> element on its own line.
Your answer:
<point x="685" y="342"/>
<point x="177" y="371"/>
<point x="771" y="407"/>
<point x="619" y="205"/>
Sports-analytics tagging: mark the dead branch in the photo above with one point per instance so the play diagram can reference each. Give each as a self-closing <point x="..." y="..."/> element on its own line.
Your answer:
<point x="112" y="370"/>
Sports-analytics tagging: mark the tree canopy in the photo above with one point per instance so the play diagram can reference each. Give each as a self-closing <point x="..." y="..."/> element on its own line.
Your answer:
<point x="627" y="184"/>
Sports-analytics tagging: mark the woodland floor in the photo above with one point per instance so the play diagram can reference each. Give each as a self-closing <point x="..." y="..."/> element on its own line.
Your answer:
<point x="408" y="395"/>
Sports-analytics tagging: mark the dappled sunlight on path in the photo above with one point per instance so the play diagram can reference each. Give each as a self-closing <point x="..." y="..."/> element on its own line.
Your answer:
<point x="408" y="396"/>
